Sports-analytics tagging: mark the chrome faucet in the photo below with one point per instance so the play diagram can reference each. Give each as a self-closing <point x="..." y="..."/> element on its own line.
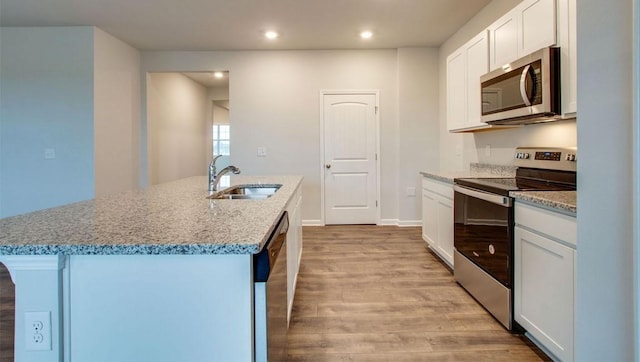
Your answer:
<point x="214" y="176"/>
<point x="212" y="172"/>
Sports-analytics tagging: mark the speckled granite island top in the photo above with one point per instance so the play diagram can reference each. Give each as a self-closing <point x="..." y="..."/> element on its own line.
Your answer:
<point x="563" y="201"/>
<point x="170" y="218"/>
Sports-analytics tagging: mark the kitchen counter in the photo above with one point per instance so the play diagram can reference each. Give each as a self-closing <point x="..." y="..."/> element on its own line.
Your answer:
<point x="562" y="201"/>
<point x="475" y="170"/>
<point x="170" y="218"/>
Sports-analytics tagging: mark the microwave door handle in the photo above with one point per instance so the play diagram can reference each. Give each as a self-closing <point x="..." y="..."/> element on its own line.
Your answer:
<point x="523" y="85"/>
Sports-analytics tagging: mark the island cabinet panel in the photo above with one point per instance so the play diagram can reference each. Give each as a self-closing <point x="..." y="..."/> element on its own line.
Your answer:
<point x="160" y="308"/>
<point x="294" y="246"/>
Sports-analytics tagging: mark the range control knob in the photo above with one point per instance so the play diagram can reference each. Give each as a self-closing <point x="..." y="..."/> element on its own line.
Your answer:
<point x="525" y="156"/>
<point x="571" y="157"/>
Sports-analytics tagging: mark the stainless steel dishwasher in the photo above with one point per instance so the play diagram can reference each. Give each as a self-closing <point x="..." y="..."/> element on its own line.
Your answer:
<point x="270" y="295"/>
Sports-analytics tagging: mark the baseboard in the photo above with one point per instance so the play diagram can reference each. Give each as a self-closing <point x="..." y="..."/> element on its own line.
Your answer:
<point x="383" y="222"/>
<point x="401" y="223"/>
<point x="312" y="223"/>
<point x="406" y="223"/>
<point x="388" y="222"/>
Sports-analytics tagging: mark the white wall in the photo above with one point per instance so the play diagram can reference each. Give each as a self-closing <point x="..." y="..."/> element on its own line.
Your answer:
<point x="178" y="124"/>
<point x="418" y="126"/>
<point x="605" y="317"/>
<point x="46" y="82"/>
<point x="116" y="115"/>
<point x="503" y="142"/>
<point x="274" y="99"/>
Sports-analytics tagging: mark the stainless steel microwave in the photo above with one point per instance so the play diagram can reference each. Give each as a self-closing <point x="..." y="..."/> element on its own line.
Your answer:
<point x="524" y="91"/>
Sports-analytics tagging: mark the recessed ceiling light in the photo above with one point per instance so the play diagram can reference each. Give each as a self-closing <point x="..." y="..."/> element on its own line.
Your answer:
<point x="366" y="34"/>
<point x="271" y="34"/>
<point x="218" y="75"/>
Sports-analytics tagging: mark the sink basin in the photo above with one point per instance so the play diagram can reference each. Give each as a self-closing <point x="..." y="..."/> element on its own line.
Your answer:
<point x="246" y="192"/>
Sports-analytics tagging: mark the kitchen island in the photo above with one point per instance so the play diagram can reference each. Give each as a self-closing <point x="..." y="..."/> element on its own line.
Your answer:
<point x="161" y="274"/>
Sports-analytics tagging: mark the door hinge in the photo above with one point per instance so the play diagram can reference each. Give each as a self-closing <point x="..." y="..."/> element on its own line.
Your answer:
<point x="376" y="157"/>
<point x="376" y="203"/>
<point x="376" y="109"/>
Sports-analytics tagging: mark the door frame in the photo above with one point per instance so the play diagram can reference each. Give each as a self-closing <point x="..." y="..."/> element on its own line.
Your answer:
<point x="376" y="93"/>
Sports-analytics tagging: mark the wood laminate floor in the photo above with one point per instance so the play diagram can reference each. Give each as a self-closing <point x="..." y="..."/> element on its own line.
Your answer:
<point x="376" y="293"/>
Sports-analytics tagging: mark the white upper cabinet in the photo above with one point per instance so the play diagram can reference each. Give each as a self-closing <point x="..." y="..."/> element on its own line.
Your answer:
<point x="456" y="90"/>
<point x="464" y="68"/>
<point x="528" y="27"/>
<point x="504" y="41"/>
<point x="538" y="24"/>
<point x="477" y="65"/>
<point x="569" y="68"/>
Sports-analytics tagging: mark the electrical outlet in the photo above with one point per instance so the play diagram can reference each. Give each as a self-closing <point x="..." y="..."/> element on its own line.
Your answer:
<point x="262" y="152"/>
<point x="37" y="331"/>
<point x="49" y="153"/>
<point x="411" y="191"/>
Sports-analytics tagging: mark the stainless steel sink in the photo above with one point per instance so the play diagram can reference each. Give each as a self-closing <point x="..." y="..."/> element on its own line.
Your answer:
<point x="247" y="192"/>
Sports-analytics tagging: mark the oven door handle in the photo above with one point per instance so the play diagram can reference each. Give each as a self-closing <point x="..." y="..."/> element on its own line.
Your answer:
<point x="492" y="198"/>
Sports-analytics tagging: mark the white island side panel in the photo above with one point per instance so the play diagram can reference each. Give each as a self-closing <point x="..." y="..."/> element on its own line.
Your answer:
<point x="161" y="308"/>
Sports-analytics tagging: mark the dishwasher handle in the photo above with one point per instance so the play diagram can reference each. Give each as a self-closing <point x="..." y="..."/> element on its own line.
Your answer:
<point x="263" y="261"/>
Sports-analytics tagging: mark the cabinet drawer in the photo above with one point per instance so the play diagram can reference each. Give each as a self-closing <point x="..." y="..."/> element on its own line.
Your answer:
<point x="438" y="187"/>
<point x="559" y="226"/>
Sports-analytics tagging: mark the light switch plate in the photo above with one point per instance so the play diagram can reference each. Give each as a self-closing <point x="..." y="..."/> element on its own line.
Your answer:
<point x="262" y="152"/>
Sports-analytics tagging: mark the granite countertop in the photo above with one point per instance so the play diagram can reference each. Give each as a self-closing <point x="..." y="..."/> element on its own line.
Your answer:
<point x="475" y="170"/>
<point x="563" y="201"/>
<point x="170" y="218"/>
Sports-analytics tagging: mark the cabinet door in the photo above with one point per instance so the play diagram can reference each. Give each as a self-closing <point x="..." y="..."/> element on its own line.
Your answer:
<point x="456" y="90"/>
<point x="477" y="59"/>
<point x="567" y="42"/>
<point x="445" y="229"/>
<point x="537" y="25"/>
<point x="429" y="218"/>
<point x="544" y="291"/>
<point x="503" y="35"/>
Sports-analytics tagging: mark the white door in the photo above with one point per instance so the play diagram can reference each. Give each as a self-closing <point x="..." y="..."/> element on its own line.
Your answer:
<point x="350" y="166"/>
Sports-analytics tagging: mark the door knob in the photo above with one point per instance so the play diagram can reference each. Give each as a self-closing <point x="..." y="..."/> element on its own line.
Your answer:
<point x="328" y="166"/>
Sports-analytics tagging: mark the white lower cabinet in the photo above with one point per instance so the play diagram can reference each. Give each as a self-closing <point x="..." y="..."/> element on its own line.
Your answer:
<point x="545" y="270"/>
<point x="437" y="218"/>
<point x="294" y="246"/>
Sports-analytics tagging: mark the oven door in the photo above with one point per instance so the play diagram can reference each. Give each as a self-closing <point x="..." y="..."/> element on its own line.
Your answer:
<point x="483" y="231"/>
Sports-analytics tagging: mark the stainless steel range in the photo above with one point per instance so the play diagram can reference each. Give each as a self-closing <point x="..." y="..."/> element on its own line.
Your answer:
<point x="483" y="224"/>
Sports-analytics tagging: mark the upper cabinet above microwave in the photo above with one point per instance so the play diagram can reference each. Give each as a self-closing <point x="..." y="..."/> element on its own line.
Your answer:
<point x="530" y="26"/>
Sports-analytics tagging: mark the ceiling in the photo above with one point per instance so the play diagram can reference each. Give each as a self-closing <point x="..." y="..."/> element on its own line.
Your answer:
<point x="240" y="24"/>
<point x="208" y="80"/>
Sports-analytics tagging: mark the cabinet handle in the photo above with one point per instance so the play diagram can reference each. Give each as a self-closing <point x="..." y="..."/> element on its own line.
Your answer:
<point x="327" y="166"/>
